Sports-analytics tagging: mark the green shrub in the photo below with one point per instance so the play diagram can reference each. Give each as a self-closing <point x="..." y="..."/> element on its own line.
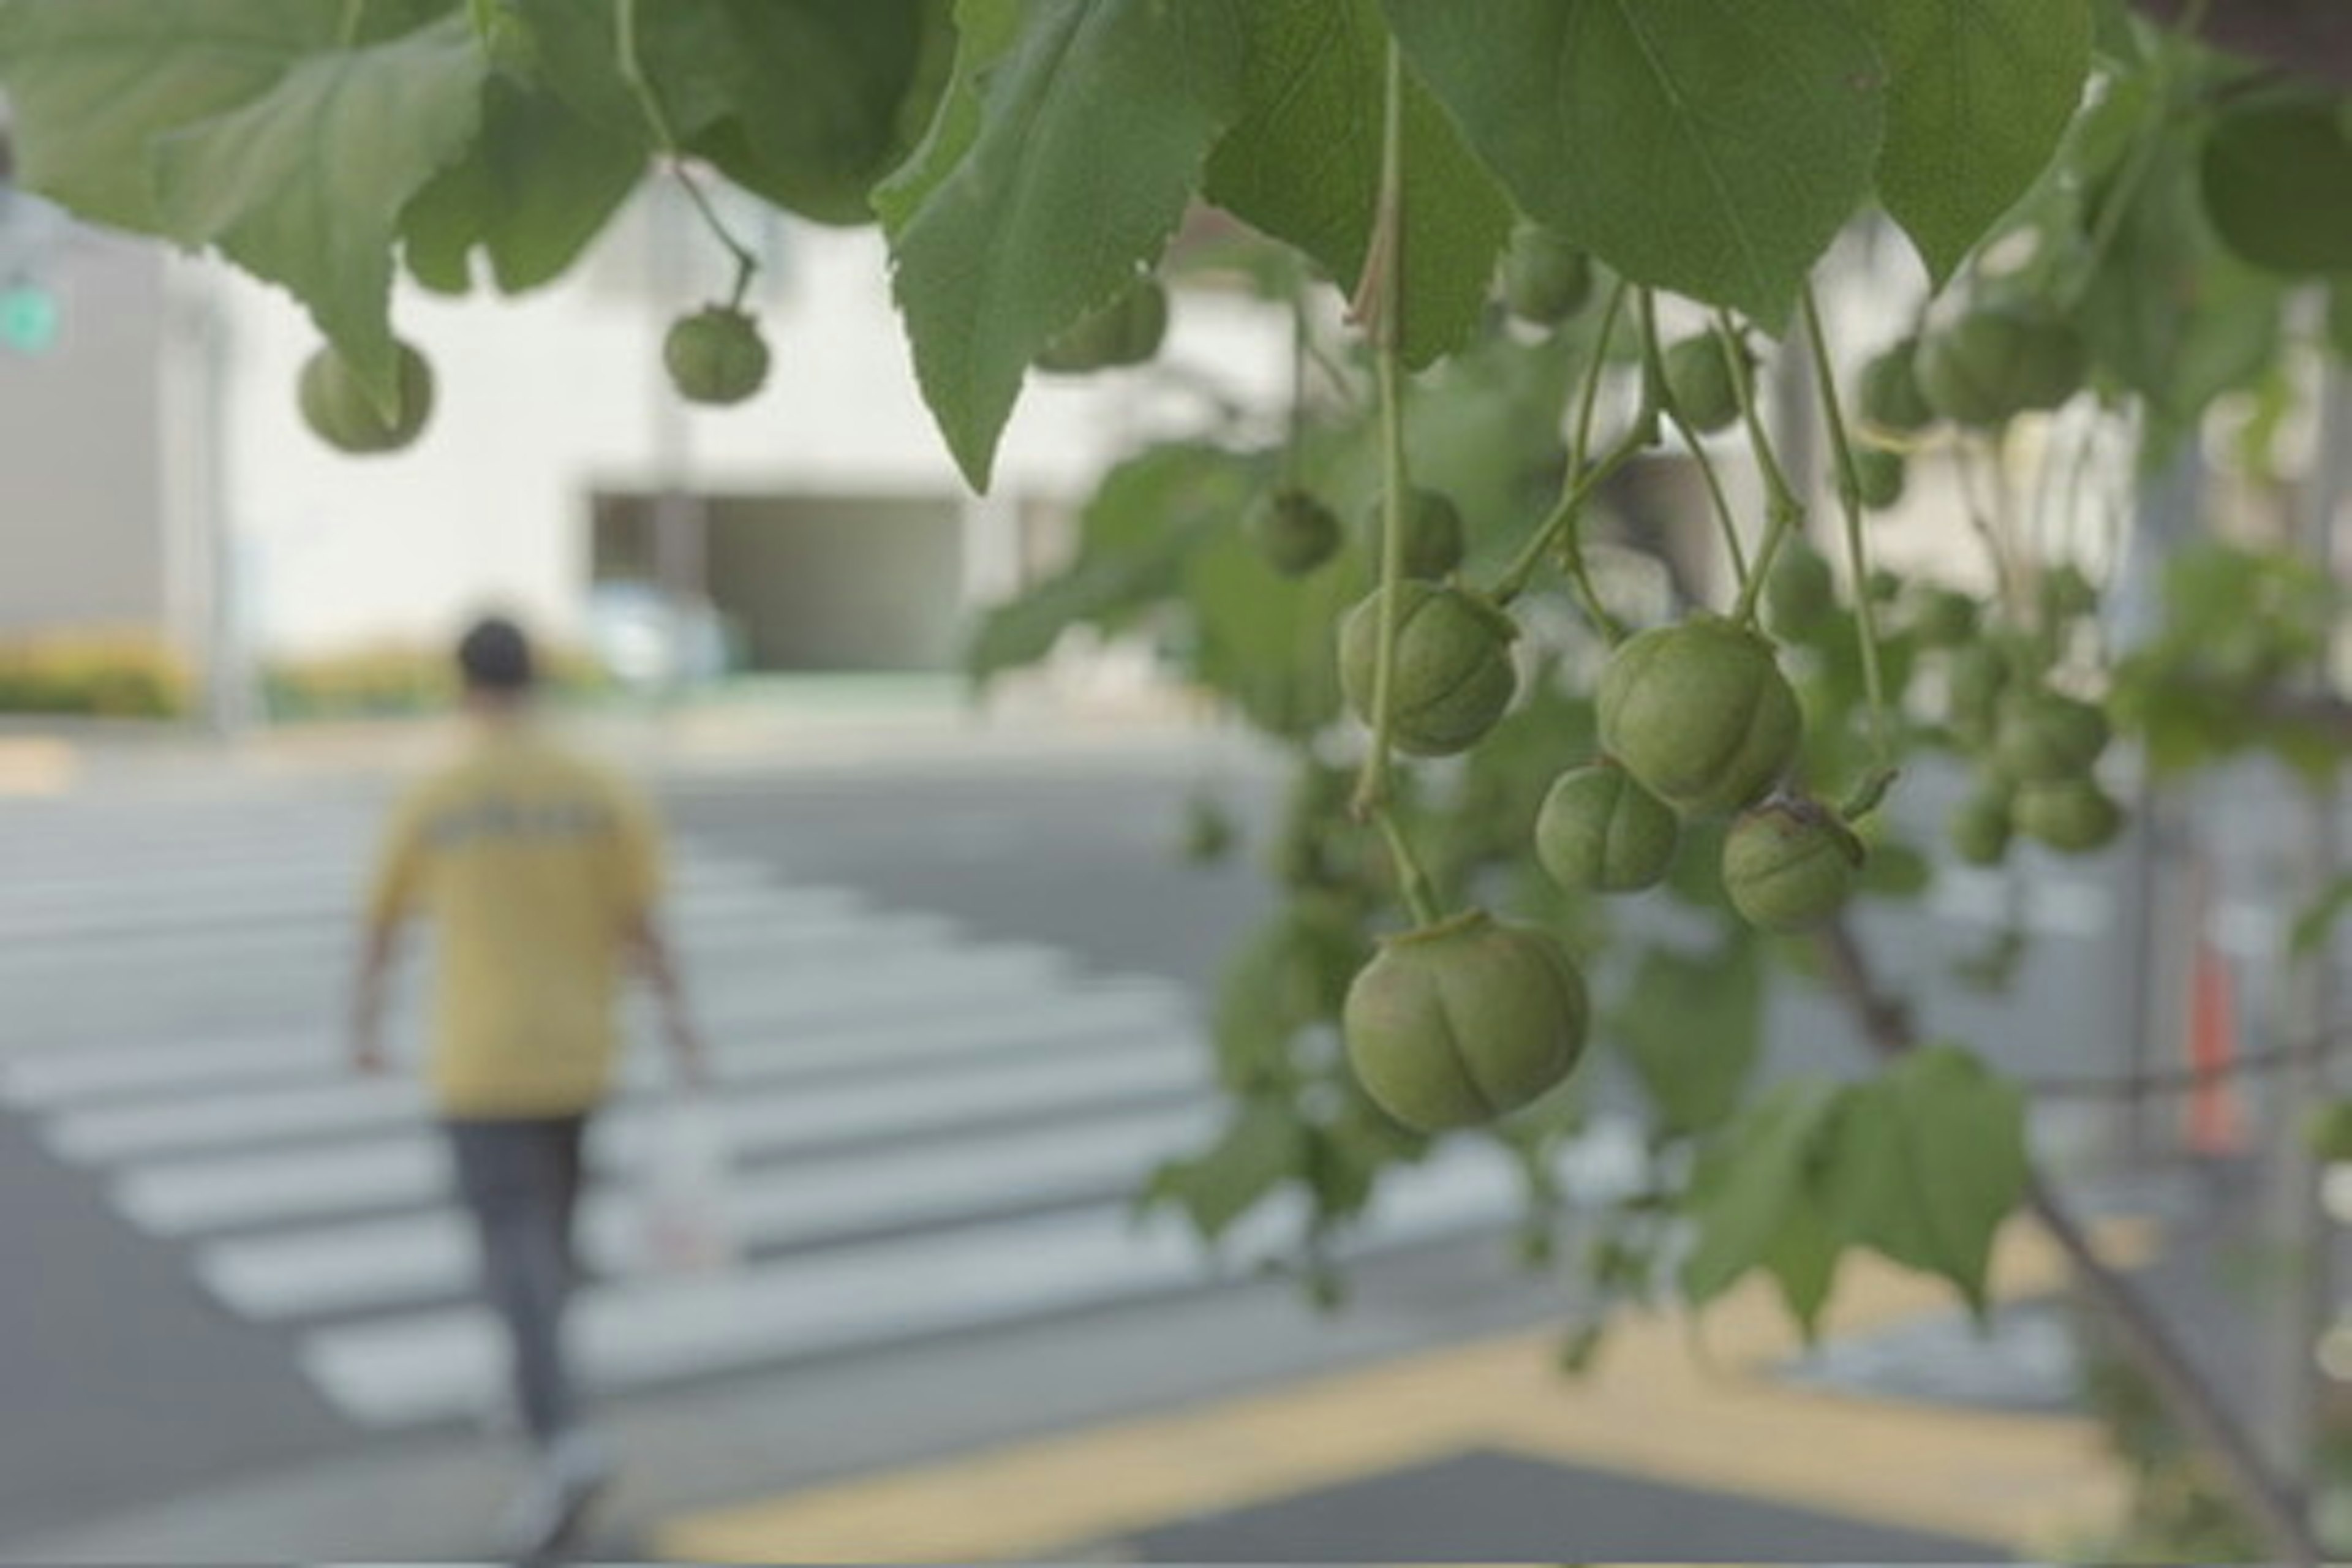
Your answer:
<point x="93" y="674"/>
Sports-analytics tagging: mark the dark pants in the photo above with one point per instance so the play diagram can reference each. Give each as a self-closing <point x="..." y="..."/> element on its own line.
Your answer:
<point x="521" y="1179"/>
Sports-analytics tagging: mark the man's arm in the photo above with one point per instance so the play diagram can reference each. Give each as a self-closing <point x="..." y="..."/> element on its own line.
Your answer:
<point x="649" y="954"/>
<point x="391" y="893"/>
<point x="379" y="942"/>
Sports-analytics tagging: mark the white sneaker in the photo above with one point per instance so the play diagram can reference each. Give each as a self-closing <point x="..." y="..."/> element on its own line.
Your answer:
<point x="570" y="1474"/>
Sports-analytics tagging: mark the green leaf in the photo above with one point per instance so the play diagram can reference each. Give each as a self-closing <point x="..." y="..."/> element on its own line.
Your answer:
<point x="1928" y="1159"/>
<point x="686" y="49"/>
<point x="1303" y="164"/>
<point x="819" y="92"/>
<point x="1711" y="149"/>
<point x="1145" y="518"/>
<point x="303" y="186"/>
<point x="2278" y="182"/>
<point x="1265" y="640"/>
<point x="91" y="83"/>
<point x="1690" y="1023"/>
<point x="1263" y="1147"/>
<point x="2167" y="311"/>
<point x="2339" y="318"/>
<point x="538" y="184"/>
<point x="1090" y="134"/>
<point x="1803" y="1261"/>
<point x="2316" y="921"/>
<point x="1978" y="94"/>
<point x="1752" y="1179"/>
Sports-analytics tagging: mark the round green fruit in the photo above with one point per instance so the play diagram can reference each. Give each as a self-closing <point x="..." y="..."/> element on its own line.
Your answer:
<point x="1600" y="830"/>
<point x="1889" y="397"/>
<point x="1800" y="591"/>
<point x="1460" y="1023"/>
<point x="715" y="357"/>
<point x="1453" y="674"/>
<point x="2067" y="594"/>
<point x="1295" y="531"/>
<point x="338" y="411"/>
<point x="1978" y="675"/>
<point x="2042" y="737"/>
<point x="1699" y="382"/>
<point x="1128" y="331"/>
<point x="1944" y="617"/>
<point x="1980" y="826"/>
<point x="1432" y="532"/>
<point x="1545" y="279"/>
<point x="1999" y="361"/>
<point x="1699" y="713"/>
<point x="2073" y="816"/>
<point x="1878" y="477"/>
<point x="1789" y="864"/>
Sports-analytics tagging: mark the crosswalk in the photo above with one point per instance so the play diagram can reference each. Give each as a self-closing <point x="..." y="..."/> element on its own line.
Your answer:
<point x="929" y="1130"/>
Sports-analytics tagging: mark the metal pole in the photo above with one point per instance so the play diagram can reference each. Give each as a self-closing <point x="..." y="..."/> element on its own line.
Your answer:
<point x="2163" y="910"/>
<point x="2296" y="1224"/>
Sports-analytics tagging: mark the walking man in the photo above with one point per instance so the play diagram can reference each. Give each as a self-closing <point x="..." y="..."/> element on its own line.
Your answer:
<point x="539" y="872"/>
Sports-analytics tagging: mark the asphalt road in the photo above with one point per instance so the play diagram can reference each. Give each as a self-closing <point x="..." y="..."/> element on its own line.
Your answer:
<point x="126" y="1384"/>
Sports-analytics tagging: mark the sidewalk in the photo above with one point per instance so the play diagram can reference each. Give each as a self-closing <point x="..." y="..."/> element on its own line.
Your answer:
<point x="1429" y="1421"/>
<point x="796" y="723"/>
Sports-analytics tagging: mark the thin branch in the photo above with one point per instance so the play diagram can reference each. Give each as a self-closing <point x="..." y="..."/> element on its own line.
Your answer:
<point x="2146" y="1337"/>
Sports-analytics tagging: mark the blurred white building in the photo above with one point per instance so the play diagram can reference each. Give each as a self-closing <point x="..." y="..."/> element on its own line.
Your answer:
<point x="156" y="474"/>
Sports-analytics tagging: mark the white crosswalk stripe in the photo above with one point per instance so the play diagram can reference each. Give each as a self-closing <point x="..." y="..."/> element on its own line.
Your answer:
<point x="927" y="1131"/>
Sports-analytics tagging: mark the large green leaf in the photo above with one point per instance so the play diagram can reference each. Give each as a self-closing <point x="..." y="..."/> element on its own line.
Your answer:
<point x="1145" y="516"/>
<point x="2278" y="181"/>
<point x="1709" y="148"/>
<point x="304" y="184"/>
<point x="1068" y="167"/>
<point x="538" y="184"/>
<point x="91" y="83"/>
<point x="2167" y="310"/>
<point x="1978" y="94"/>
<point x="1304" y="165"/>
<point x="819" y="94"/>
<point x="1752" y="1181"/>
<point x="1927" y="1161"/>
<point x="686" y="48"/>
<point x="1692" y="1024"/>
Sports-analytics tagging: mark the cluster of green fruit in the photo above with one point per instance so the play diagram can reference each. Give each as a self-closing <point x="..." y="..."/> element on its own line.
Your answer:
<point x="1697" y="721"/>
<point x="2033" y="749"/>
<point x="1468" y="1018"/>
<point x="714" y="356"/>
<point x="1980" y="370"/>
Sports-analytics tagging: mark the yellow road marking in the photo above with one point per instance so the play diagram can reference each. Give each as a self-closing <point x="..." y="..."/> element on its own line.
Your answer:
<point x="1652" y="1407"/>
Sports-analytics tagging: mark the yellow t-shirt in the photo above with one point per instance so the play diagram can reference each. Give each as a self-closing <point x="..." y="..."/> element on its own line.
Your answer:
<point x="529" y="862"/>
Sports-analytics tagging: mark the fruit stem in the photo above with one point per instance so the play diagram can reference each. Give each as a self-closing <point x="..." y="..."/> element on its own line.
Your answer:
<point x="1849" y="490"/>
<point x="1654" y="381"/>
<point x="1784" y="512"/>
<point x="1295" y="429"/>
<point x="1419" y="894"/>
<point x="1376" y="311"/>
<point x="633" y="71"/>
<point x="1379" y="303"/>
<point x="1563" y="526"/>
